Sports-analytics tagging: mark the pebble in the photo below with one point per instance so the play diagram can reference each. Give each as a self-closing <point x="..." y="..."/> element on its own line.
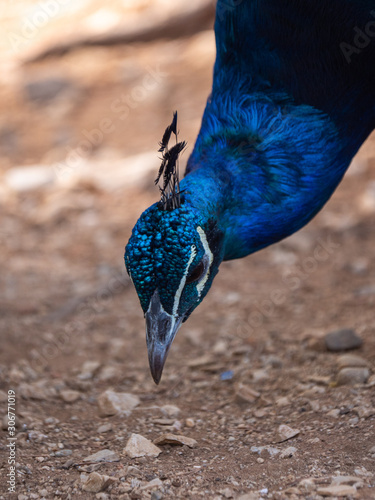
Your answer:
<point x="352" y="376"/>
<point x="249" y="496"/>
<point x="288" y="452"/>
<point x="176" y="440"/>
<point x="286" y="432"/>
<point x="189" y="422"/>
<point x="345" y="480"/>
<point x="307" y="485"/>
<point x="89" y="369"/>
<point x="96" y="482"/>
<point x="284" y="401"/>
<point x="351" y="360"/>
<point x="63" y="453"/>
<point x="139" y="446"/>
<point x="245" y="394"/>
<point x="337" y="491"/>
<point x="106" y="455"/>
<point x="170" y="410"/>
<point x="70" y="396"/>
<point x="335" y="413"/>
<point x="342" y="340"/>
<point x="364" y="412"/>
<point x="113" y="403"/>
<point x="104" y="428"/>
<point x="155" y="483"/>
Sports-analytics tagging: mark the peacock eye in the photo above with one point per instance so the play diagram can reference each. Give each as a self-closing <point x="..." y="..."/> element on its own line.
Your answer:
<point x="196" y="273"/>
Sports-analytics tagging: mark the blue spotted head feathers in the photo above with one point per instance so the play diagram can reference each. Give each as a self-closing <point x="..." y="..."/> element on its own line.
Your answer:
<point x="172" y="257"/>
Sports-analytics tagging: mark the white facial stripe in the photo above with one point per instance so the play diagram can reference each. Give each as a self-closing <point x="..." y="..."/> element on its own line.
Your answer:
<point x="177" y="297"/>
<point x="210" y="256"/>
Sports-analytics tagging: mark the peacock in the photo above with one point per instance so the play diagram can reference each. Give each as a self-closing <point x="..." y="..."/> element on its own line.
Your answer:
<point x="293" y="99"/>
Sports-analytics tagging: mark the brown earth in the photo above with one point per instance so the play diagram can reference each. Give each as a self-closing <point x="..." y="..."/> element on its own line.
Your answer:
<point x="66" y="301"/>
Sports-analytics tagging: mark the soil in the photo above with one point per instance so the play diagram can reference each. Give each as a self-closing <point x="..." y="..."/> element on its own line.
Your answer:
<point x="251" y="358"/>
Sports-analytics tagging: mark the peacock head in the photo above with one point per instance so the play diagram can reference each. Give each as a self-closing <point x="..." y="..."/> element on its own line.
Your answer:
<point x="172" y="258"/>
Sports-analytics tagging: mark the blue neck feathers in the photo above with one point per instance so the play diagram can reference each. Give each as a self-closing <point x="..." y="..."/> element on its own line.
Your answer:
<point x="262" y="167"/>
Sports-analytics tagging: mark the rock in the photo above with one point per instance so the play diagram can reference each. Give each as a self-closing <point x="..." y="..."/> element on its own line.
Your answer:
<point x="189" y="422"/>
<point x="337" y="491"/>
<point x="342" y="340"/>
<point x="40" y="390"/>
<point x="245" y="394"/>
<point x="351" y="360"/>
<point x="96" y="482"/>
<point x="63" y="453"/>
<point x="352" y="376"/>
<point x="272" y="451"/>
<point x="335" y="413"/>
<point x="284" y="401"/>
<point x="104" y="428"/>
<point x="29" y="178"/>
<point x="170" y="410"/>
<point x="139" y="446"/>
<point x="89" y="369"/>
<point x="345" y="480"/>
<point x="286" y="432"/>
<point x="249" y="496"/>
<point x="156" y="495"/>
<point x="155" y="483"/>
<point x="106" y="456"/>
<point x="176" y="440"/>
<point x="307" y="485"/>
<point x="288" y="452"/>
<point x="364" y="411"/>
<point x="112" y="403"/>
<point x="70" y="396"/>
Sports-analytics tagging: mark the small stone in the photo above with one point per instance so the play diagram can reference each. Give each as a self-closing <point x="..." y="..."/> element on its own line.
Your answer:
<point x="106" y="456"/>
<point x="176" y="440"/>
<point x="249" y="496"/>
<point x="189" y="422"/>
<point x="70" y="396"/>
<point x="260" y="460"/>
<point x="288" y="452"/>
<point x="89" y="369"/>
<point x="104" y="428"/>
<point x="96" y="482"/>
<point x="112" y="403"/>
<point x="227" y="493"/>
<point x="284" y="401"/>
<point x="345" y="480"/>
<point x="139" y="446"/>
<point x="307" y="485"/>
<point x="43" y="492"/>
<point x="245" y="394"/>
<point x="364" y="412"/>
<point x="63" y="453"/>
<point x="342" y="340"/>
<point x="351" y="360"/>
<point x="352" y="376"/>
<point x="337" y="491"/>
<point x="286" y="432"/>
<point x="155" y="483"/>
<point x="170" y="410"/>
<point x="335" y="413"/>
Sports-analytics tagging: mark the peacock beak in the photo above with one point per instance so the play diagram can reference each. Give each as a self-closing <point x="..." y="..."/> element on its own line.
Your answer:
<point x="161" y="329"/>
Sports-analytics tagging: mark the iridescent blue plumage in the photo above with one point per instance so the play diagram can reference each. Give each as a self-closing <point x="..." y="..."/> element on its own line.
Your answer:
<point x="293" y="99"/>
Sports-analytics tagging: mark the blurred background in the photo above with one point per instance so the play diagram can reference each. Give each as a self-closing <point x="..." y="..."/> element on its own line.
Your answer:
<point x="86" y="90"/>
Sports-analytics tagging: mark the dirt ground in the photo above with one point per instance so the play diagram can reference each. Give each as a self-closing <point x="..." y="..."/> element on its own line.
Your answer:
<point x="77" y="169"/>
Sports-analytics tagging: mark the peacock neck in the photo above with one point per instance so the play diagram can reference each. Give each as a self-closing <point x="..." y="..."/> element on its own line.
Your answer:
<point x="263" y="167"/>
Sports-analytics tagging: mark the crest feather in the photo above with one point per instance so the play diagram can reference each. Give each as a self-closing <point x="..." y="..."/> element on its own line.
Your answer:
<point x="169" y="168"/>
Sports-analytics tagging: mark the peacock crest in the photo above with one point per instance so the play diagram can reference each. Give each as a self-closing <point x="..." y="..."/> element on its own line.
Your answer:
<point x="169" y="168"/>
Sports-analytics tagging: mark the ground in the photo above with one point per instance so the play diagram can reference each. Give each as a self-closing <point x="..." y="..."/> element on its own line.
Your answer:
<point x="251" y="358"/>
